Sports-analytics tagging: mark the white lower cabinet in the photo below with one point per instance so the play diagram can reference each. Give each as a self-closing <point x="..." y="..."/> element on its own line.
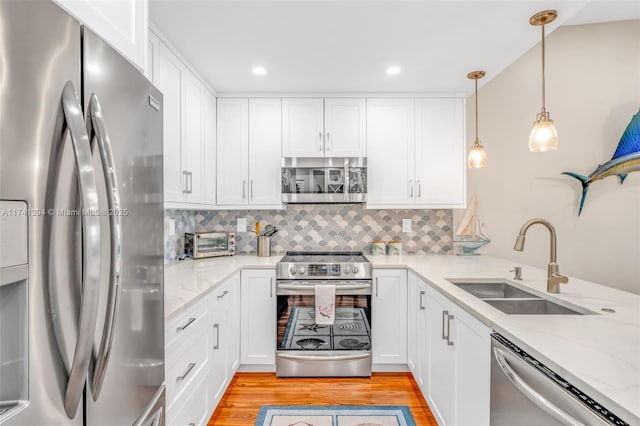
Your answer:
<point x="417" y="330"/>
<point x="388" y="322"/>
<point x="224" y="348"/>
<point x="459" y="364"/>
<point x="258" y="317"/>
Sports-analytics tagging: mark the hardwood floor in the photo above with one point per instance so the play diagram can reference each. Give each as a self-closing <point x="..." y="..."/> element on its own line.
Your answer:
<point x="249" y="391"/>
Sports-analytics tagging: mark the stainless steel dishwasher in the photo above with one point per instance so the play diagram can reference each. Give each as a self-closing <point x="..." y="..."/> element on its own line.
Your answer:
<point x="525" y="392"/>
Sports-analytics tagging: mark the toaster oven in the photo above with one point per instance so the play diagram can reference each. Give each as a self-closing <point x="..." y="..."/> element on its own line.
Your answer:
<point x="209" y="244"/>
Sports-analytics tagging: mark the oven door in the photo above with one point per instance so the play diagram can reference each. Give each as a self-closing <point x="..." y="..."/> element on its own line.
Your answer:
<point x="307" y="349"/>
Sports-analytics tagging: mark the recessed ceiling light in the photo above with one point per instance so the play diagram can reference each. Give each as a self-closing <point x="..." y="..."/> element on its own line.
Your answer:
<point x="394" y="70"/>
<point x="258" y="70"/>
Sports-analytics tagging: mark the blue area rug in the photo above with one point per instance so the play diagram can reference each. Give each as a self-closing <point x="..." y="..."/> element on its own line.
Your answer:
<point x="334" y="415"/>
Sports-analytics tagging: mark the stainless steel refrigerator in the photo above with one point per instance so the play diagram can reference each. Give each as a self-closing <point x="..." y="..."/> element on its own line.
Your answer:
<point x="81" y="151"/>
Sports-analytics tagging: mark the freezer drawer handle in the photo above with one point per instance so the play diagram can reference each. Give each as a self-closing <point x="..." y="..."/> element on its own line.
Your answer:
<point x="97" y="132"/>
<point x="186" y="373"/>
<point x="187" y="324"/>
<point x="87" y="189"/>
<point x="543" y="403"/>
<point x="148" y="416"/>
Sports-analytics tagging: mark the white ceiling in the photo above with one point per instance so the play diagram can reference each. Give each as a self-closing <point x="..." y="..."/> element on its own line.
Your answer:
<point x="332" y="46"/>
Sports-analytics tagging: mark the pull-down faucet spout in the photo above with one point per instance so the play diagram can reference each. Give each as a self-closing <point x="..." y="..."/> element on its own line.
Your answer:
<point x="554" y="278"/>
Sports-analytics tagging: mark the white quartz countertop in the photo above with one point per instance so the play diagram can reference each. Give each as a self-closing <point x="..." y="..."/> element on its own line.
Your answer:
<point x="600" y="354"/>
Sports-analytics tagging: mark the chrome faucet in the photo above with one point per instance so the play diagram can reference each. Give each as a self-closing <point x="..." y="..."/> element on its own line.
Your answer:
<point x="554" y="278"/>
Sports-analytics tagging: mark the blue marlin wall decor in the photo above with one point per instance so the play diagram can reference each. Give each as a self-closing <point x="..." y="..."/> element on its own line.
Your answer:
<point x="625" y="160"/>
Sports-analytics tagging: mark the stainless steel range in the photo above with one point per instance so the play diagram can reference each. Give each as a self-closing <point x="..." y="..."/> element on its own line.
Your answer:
<point x="309" y="348"/>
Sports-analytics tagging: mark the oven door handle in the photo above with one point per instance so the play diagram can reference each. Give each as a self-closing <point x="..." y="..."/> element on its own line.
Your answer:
<point x="324" y="358"/>
<point x="312" y="287"/>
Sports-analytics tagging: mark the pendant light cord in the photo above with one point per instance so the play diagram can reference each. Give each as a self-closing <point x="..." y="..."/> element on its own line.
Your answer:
<point x="476" y="110"/>
<point x="543" y="86"/>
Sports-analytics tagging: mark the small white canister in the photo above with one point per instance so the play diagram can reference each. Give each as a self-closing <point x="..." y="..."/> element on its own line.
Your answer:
<point x="395" y="248"/>
<point x="378" y="248"/>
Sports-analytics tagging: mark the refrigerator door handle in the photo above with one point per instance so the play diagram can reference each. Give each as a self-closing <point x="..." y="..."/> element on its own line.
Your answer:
<point x="99" y="137"/>
<point x="90" y="246"/>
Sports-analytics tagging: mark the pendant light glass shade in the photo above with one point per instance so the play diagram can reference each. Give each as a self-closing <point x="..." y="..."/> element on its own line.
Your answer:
<point x="477" y="156"/>
<point x="544" y="136"/>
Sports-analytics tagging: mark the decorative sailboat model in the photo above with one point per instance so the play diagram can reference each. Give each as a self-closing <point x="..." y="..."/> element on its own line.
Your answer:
<point x="470" y="234"/>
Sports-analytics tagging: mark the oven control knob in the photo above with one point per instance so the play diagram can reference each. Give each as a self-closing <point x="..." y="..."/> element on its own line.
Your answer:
<point x="347" y="270"/>
<point x="355" y="269"/>
<point x="301" y="270"/>
<point x="293" y="270"/>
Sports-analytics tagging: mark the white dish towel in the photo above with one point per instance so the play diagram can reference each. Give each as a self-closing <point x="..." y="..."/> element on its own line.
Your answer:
<point x="325" y="303"/>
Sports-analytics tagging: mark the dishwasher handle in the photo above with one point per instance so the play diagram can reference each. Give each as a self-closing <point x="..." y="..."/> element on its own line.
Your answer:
<point x="540" y="401"/>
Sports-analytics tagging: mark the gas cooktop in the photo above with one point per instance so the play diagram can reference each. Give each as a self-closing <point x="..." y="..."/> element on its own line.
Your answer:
<point x="299" y="265"/>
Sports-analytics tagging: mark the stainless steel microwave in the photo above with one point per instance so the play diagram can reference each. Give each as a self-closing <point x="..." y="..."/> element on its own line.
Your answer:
<point x="209" y="244"/>
<point x="324" y="180"/>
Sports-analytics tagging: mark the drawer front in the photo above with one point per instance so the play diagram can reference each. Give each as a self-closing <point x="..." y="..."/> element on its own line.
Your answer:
<point x="185" y="363"/>
<point x="184" y="325"/>
<point x="191" y="409"/>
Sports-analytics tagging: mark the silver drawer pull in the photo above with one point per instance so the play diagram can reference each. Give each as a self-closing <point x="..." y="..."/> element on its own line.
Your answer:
<point x="191" y="320"/>
<point x="186" y="373"/>
<point x="224" y="293"/>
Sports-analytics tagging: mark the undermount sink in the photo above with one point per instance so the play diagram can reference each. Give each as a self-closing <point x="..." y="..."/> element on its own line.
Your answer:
<point x="512" y="300"/>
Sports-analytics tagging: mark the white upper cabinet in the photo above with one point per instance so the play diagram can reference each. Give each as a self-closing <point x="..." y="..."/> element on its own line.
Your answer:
<point x="232" y="151"/>
<point x="265" y="141"/>
<point x="123" y="24"/>
<point x="416" y="153"/>
<point x="390" y="148"/>
<point x="170" y="79"/>
<point x="345" y="127"/>
<point x="316" y="127"/>
<point x="188" y="130"/>
<point x="249" y="143"/>
<point x="151" y="67"/>
<point x="303" y="127"/>
<point x="440" y="152"/>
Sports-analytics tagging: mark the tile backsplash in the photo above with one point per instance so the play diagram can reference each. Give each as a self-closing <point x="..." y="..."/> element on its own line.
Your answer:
<point x="319" y="227"/>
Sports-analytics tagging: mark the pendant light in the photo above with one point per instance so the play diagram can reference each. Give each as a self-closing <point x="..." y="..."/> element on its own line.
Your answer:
<point x="544" y="136"/>
<point x="477" y="155"/>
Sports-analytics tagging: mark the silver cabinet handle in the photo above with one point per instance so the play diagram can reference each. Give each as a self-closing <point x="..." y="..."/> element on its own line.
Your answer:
<point x="328" y="141"/>
<point x="449" y="341"/>
<point x="185" y="190"/>
<point x="217" y="328"/>
<point x="187" y="324"/>
<point x="445" y="314"/>
<point x="251" y="189"/>
<point x="319" y="141"/>
<point x="186" y="373"/>
<point x="539" y="400"/>
<point x="419" y="189"/>
<point x="72" y="119"/>
<point x="377" y="285"/>
<point x="244" y="189"/>
<point x="190" y="182"/>
<point x="410" y="188"/>
<point x="224" y="293"/>
<point x="96" y="130"/>
<point x="422" y="307"/>
<point x="271" y="288"/>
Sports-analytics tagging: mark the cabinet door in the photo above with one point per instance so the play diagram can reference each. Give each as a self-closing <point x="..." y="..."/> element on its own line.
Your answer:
<point x="441" y="372"/>
<point x="218" y="373"/>
<point x="389" y="322"/>
<point x="390" y="150"/>
<point x="303" y="127"/>
<point x="345" y="127"/>
<point x="193" y="152"/>
<point x="258" y="317"/>
<point x="440" y="152"/>
<point x="472" y="348"/>
<point x="412" y="326"/>
<point x="123" y="24"/>
<point x="209" y="170"/>
<point x="151" y="67"/>
<point x="170" y="82"/>
<point x="422" y="336"/>
<point x="232" y="151"/>
<point x="265" y="144"/>
<point x="233" y="327"/>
